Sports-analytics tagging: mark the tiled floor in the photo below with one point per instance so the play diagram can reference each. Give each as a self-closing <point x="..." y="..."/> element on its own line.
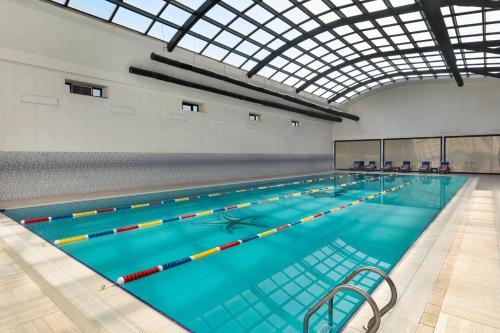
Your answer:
<point x="42" y="290"/>
<point x="466" y="296"/>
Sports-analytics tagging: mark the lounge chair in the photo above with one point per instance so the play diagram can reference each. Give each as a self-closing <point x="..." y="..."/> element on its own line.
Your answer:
<point x="444" y="167"/>
<point x="387" y="166"/>
<point x="372" y="166"/>
<point x="357" y="165"/>
<point x="406" y="167"/>
<point x="426" y="167"/>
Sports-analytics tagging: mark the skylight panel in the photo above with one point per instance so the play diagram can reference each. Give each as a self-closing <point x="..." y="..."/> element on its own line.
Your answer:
<point x="162" y="31"/>
<point x="400" y="39"/>
<point x="276" y="44"/>
<point x="279" y="6"/>
<point x="362" y="46"/>
<point x="249" y="64"/>
<point x="309" y="25"/>
<point x="472" y="39"/>
<point x="364" y="25"/>
<point x="343" y="30"/>
<point x="393" y="30"/>
<point x="316" y="6"/>
<point x="493" y="16"/>
<point x="193" y="4"/>
<point x="353" y="38"/>
<point x="235" y="59"/>
<point x="277" y="25"/>
<point x="296" y="15"/>
<point x="345" y="51"/>
<point x="279" y="62"/>
<point x="471" y="30"/>
<point x="151" y="6"/>
<point x="175" y="15"/>
<point x="319" y="51"/>
<point x="389" y="20"/>
<point x="335" y="44"/>
<point x="308" y="44"/>
<point x="303" y="72"/>
<point x="292" y="34"/>
<point x="242" y="25"/>
<point x="416" y="26"/>
<point x="213" y="51"/>
<point x="304" y="59"/>
<point x="192" y="43"/>
<point x="351" y="11"/>
<point x="247" y="48"/>
<point x="292" y="53"/>
<point x="372" y="33"/>
<point x="131" y="20"/>
<point x="262" y="36"/>
<point x="315" y="65"/>
<point x="259" y="14"/>
<point x="380" y="42"/>
<point x="267" y="71"/>
<point x="220" y="14"/>
<point x="376" y="5"/>
<point x="415" y="16"/>
<point x="279" y="77"/>
<point x="291" y="81"/>
<point x="291" y="67"/>
<point x="397" y="3"/>
<point x="205" y="28"/>
<point x="261" y="54"/>
<point x="329" y="17"/>
<point x="464" y="9"/>
<point x="476" y="18"/>
<point x="421" y="36"/>
<point x="240" y="5"/>
<point x="490" y="28"/>
<point x="99" y="8"/>
<point x="228" y="39"/>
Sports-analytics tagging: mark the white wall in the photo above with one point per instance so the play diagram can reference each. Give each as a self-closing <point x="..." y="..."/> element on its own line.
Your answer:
<point x="42" y="45"/>
<point x="429" y="108"/>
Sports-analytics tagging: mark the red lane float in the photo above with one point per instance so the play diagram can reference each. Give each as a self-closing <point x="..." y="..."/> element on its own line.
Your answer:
<point x="193" y="197"/>
<point x="74" y="239"/>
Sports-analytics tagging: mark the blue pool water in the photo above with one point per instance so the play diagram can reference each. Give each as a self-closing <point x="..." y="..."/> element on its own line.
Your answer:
<point x="268" y="284"/>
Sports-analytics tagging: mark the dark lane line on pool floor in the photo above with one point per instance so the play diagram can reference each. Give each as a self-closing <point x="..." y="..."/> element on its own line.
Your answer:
<point x="160" y="222"/>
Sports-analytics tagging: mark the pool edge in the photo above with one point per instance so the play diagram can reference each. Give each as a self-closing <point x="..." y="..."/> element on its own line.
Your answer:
<point x="417" y="271"/>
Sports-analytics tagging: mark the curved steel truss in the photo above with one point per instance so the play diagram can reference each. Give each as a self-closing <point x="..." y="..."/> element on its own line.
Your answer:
<point x="332" y="49"/>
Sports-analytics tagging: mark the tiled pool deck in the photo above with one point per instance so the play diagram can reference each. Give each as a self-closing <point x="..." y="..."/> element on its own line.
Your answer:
<point x="448" y="282"/>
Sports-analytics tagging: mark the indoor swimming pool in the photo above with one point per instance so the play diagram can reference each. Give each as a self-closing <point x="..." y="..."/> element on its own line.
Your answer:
<point x="249" y="257"/>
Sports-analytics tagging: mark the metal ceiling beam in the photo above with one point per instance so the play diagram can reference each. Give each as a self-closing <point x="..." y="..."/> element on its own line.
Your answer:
<point x="432" y="12"/>
<point x="332" y="25"/>
<point x="195" y="85"/>
<point x="469" y="46"/>
<point x="190" y="22"/>
<point x="493" y="4"/>
<point x="247" y="85"/>
<point x="484" y="72"/>
<point x="388" y="76"/>
<point x="483" y="49"/>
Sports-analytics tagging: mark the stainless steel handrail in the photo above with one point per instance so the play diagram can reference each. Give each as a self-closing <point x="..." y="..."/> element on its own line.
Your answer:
<point x="331" y="294"/>
<point x="374" y="323"/>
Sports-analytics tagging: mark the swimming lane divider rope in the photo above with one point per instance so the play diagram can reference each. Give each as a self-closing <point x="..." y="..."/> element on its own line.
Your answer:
<point x="174" y="200"/>
<point x="198" y="256"/>
<point x="79" y="238"/>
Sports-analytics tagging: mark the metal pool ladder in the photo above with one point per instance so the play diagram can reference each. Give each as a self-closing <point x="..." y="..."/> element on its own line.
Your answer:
<point x="374" y="322"/>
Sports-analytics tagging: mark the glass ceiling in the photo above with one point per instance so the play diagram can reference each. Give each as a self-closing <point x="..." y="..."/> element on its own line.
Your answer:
<point x="338" y="64"/>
